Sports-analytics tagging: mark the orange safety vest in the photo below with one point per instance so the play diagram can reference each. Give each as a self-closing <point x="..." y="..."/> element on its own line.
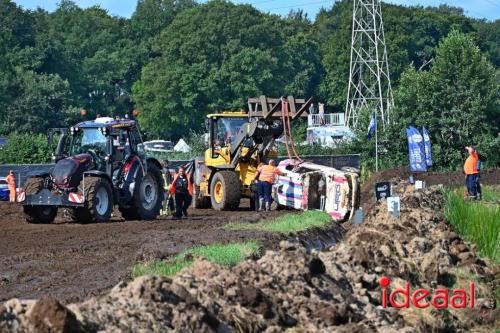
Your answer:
<point x="267" y="173"/>
<point x="11" y="180"/>
<point x="470" y="165"/>
<point x="174" y="184"/>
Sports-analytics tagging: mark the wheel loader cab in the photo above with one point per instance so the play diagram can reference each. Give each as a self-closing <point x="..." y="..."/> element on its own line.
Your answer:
<point x="223" y="128"/>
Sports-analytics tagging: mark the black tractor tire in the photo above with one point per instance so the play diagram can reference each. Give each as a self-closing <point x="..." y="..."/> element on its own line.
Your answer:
<point x="98" y="202"/>
<point x="148" y="186"/>
<point x="37" y="214"/>
<point x="199" y="201"/>
<point x="230" y="197"/>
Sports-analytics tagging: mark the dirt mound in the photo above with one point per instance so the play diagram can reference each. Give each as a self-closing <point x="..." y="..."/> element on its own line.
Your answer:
<point x="336" y="290"/>
<point x="402" y="174"/>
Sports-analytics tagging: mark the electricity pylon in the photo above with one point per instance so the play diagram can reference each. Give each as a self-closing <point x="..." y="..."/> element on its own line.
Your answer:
<point x="369" y="81"/>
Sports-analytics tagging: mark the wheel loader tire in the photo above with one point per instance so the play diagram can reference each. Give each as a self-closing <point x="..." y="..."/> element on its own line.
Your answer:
<point x="200" y="202"/>
<point x="98" y="202"/>
<point x="37" y="214"/>
<point x="148" y="196"/>
<point x="225" y="190"/>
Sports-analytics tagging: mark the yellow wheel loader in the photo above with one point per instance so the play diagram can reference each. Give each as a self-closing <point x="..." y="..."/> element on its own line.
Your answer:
<point x="238" y="143"/>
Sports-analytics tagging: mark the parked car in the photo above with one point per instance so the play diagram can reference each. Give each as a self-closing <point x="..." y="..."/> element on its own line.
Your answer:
<point x="160" y="146"/>
<point x="4" y="189"/>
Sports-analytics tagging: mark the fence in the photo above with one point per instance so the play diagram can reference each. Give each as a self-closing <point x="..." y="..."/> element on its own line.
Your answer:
<point x="329" y="119"/>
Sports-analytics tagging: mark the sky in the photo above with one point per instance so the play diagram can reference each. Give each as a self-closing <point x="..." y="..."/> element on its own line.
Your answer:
<point x="488" y="9"/>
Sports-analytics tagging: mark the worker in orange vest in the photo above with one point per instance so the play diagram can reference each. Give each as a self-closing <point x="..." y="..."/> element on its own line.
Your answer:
<point x="265" y="179"/>
<point x="182" y="189"/>
<point x="471" y="172"/>
<point x="11" y="183"/>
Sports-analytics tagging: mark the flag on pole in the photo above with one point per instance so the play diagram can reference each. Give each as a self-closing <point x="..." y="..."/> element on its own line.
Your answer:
<point x="427" y="147"/>
<point x="372" y="127"/>
<point x="416" y="152"/>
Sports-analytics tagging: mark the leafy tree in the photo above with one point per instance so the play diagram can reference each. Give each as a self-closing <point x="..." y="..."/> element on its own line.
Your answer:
<point x="26" y="148"/>
<point x="457" y="100"/>
<point x="213" y="57"/>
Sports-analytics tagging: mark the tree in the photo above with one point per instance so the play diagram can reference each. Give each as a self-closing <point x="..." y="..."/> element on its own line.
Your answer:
<point x="215" y="56"/>
<point x="457" y="100"/>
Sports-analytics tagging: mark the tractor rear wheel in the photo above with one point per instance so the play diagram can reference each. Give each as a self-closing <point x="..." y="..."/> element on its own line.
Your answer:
<point x="148" y="196"/>
<point x="225" y="190"/>
<point x="37" y="214"/>
<point x="98" y="202"/>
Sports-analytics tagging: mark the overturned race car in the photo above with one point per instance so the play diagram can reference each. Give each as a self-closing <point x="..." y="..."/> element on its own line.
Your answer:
<point x="310" y="186"/>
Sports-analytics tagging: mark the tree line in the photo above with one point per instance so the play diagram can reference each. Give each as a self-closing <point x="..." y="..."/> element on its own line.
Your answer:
<point x="175" y="61"/>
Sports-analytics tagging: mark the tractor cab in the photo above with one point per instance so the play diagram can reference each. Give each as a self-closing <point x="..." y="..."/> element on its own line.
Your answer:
<point x="109" y="142"/>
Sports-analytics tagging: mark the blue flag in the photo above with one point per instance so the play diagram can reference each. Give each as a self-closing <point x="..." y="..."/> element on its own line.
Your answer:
<point x="427" y="147"/>
<point x="416" y="151"/>
<point x="372" y="127"/>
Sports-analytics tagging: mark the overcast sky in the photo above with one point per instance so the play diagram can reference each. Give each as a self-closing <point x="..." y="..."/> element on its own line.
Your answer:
<point x="489" y="9"/>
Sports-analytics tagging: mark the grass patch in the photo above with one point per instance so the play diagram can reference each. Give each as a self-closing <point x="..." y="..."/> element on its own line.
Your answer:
<point x="491" y="193"/>
<point x="477" y="222"/>
<point x="222" y="254"/>
<point x="287" y="224"/>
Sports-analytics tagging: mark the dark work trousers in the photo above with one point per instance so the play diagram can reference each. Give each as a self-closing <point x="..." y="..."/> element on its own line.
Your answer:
<point x="478" y="186"/>
<point x="182" y="202"/>
<point x="265" y="190"/>
<point x="471" y="183"/>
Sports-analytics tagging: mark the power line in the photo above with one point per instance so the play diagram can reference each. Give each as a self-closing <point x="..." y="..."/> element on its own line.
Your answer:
<point x="493" y="3"/>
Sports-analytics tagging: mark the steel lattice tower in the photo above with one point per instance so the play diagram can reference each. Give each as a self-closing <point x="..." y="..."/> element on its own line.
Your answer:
<point x="369" y="81"/>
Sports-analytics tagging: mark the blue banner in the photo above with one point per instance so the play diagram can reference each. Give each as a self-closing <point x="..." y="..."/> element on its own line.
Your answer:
<point x="427" y="147"/>
<point x="416" y="151"/>
<point x="372" y="126"/>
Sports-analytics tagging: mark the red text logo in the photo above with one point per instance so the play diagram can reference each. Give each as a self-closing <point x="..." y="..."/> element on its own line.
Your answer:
<point x="419" y="298"/>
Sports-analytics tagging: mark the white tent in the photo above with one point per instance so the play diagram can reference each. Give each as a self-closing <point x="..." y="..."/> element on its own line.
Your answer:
<point x="182" y="146"/>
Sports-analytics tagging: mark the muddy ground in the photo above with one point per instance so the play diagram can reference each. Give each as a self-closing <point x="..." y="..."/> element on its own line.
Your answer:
<point x="295" y="290"/>
<point x="71" y="262"/>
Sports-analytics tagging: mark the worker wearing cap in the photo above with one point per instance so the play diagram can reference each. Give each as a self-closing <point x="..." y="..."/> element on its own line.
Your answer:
<point x="182" y="189"/>
<point x="471" y="172"/>
<point x="265" y="178"/>
<point x="11" y="183"/>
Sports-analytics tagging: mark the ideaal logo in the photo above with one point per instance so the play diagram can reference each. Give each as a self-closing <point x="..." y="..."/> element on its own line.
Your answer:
<point x="440" y="298"/>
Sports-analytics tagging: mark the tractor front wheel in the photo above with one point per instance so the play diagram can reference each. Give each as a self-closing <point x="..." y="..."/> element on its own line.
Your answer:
<point x="98" y="202"/>
<point x="225" y="190"/>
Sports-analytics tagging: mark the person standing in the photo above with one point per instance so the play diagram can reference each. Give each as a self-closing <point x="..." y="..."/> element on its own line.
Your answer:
<point x="265" y="178"/>
<point x="182" y="189"/>
<point x="321" y="111"/>
<point x="471" y="173"/>
<point x="478" y="178"/>
<point x="11" y="183"/>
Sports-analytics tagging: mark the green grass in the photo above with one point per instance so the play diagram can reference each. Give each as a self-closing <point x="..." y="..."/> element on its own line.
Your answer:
<point x="478" y="223"/>
<point x="222" y="254"/>
<point x="287" y="224"/>
<point x="491" y="193"/>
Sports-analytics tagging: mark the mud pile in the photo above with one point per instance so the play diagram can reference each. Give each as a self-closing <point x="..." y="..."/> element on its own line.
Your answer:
<point x="336" y="290"/>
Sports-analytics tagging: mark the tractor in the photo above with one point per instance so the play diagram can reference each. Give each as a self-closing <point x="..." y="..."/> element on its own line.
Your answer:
<point x="99" y="164"/>
<point x="238" y="143"/>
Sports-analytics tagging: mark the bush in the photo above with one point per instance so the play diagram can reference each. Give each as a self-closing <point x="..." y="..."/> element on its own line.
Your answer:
<point x="26" y="148"/>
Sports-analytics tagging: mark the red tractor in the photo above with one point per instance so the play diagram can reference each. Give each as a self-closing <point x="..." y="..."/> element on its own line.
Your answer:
<point x="99" y="164"/>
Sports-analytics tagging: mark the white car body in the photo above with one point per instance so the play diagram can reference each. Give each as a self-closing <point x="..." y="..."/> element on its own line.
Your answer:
<point x="299" y="189"/>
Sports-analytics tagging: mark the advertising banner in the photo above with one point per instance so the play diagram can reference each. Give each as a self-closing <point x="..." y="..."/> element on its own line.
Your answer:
<point x="416" y="151"/>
